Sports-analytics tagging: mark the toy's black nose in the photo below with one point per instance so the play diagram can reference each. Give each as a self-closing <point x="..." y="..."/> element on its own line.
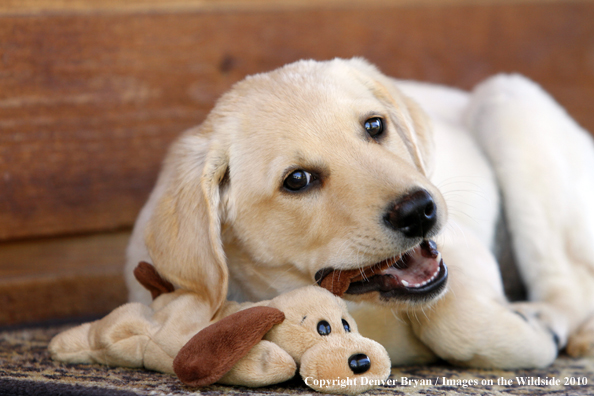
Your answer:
<point x="359" y="363"/>
<point x="414" y="215"/>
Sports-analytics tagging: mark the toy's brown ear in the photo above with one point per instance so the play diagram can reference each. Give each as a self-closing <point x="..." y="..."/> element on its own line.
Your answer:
<point x="211" y="353"/>
<point x="148" y="277"/>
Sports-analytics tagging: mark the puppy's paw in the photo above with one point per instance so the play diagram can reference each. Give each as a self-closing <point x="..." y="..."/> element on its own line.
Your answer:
<point x="581" y="343"/>
<point x="544" y="317"/>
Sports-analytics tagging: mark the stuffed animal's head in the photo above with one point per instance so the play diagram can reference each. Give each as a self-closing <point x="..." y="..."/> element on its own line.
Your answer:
<point x="311" y="324"/>
<point x="323" y="339"/>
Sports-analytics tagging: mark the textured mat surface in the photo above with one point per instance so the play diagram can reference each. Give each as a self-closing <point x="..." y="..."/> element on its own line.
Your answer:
<point x="26" y="369"/>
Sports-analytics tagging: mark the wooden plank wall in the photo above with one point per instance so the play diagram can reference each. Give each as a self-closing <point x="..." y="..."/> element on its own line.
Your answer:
<point x="92" y="93"/>
<point x="61" y="277"/>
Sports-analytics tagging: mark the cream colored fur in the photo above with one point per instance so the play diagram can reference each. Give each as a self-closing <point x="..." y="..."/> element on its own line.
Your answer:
<point x="218" y="222"/>
<point x="136" y="335"/>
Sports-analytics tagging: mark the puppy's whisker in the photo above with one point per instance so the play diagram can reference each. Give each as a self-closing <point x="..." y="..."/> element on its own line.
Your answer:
<point x="460" y="202"/>
<point x="460" y="180"/>
<point x="460" y="212"/>
<point x="363" y="275"/>
<point x="424" y="313"/>
<point x="454" y="227"/>
<point x="464" y="193"/>
<point x="397" y="317"/>
<point x="416" y="316"/>
<point x="408" y="313"/>
<point x="453" y="223"/>
<point x="477" y="190"/>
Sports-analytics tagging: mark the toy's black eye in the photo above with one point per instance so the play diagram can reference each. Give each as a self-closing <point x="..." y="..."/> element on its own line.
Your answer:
<point x="298" y="180"/>
<point x="374" y="127"/>
<point x="324" y="328"/>
<point x="346" y="326"/>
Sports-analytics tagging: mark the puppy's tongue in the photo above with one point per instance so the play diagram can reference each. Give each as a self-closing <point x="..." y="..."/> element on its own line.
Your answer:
<point x="415" y="269"/>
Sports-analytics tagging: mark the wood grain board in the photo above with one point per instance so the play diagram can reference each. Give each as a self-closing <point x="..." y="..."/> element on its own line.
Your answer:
<point x="61" y="277"/>
<point x="19" y="7"/>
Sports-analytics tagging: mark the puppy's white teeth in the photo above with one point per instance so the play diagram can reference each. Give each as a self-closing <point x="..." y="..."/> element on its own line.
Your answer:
<point x="406" y="283"/>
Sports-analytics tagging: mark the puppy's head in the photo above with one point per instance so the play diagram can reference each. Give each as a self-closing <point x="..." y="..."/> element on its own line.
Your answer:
<point x="313" y="168"/>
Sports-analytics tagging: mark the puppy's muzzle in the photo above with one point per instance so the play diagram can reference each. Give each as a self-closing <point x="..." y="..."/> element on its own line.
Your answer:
<point x="414" y="215"/>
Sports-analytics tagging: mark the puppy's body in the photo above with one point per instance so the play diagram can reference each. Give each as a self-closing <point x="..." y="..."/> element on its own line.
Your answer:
<point x="221" y="218"/>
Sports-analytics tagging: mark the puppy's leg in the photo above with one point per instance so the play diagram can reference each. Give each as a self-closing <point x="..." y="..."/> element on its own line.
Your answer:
<point x="393" y="330"/>
<point x="474" y="325"/>
<point x="545" y="166"/>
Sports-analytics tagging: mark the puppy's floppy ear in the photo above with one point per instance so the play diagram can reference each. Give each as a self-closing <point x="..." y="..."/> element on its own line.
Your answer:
<point x="211" y="353"/>
<point x="183" y="235"/>
<point x="423" y="132"/>
<point x="410" y="120"/>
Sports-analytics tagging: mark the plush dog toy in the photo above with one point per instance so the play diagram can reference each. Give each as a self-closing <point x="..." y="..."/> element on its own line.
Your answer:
<point x="249" y="344"/>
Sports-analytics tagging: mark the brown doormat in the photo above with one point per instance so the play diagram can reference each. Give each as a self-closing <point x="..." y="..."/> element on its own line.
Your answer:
<point x="26" y="369"/>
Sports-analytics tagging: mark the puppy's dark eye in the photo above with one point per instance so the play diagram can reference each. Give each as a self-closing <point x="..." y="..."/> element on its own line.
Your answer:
<point x="324" y="328"/>
<point x="346" y="326"/>
<point x="298" y="180"/>
<point x="374" y="127"/>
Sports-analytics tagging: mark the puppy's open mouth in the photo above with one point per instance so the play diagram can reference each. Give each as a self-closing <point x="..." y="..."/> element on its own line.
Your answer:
<point x="419" y="273"/>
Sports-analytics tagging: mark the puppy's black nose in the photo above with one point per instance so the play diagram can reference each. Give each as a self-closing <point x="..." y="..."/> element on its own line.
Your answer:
<point x="414" y="215"/>
<point x="359" y="363"/>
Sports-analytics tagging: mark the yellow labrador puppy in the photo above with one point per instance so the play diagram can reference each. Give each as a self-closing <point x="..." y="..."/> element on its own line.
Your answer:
<point x="322" y="167"/>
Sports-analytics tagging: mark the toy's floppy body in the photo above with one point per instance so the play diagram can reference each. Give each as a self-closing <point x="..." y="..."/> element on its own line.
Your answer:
<point x="250" y="344"/>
